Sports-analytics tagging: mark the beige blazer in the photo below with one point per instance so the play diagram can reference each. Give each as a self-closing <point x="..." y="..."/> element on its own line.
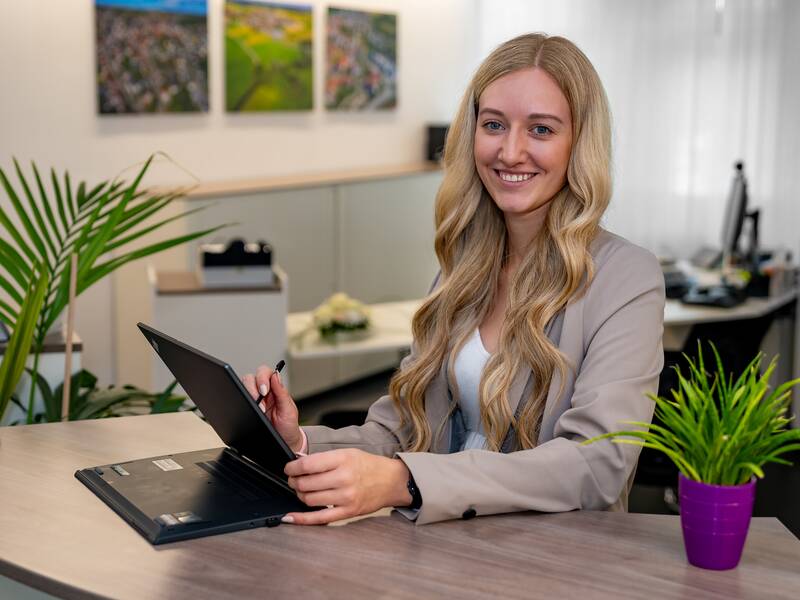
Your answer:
<point x="612" y="335"/>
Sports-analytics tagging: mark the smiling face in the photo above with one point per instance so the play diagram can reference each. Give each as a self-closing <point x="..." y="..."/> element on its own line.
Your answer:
<point x="523" y="140"/>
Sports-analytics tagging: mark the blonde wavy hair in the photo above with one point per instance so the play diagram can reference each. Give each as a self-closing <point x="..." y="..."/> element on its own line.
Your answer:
<point x="471" y="246"/>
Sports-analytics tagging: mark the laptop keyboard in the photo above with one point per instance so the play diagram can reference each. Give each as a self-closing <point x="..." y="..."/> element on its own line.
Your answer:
<point x="243" y="479"/>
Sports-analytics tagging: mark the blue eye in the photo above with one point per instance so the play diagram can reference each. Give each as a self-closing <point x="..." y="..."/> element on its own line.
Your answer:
<point x="492" y="126"/>
<point x="541" y="130"/>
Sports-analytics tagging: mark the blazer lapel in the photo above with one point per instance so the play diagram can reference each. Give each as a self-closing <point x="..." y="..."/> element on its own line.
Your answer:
<point x="437" y="406"/>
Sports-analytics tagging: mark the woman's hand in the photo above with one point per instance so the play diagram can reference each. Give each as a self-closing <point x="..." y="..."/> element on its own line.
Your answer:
<point x="349" y="482"/>
<point x="277" y="404"/>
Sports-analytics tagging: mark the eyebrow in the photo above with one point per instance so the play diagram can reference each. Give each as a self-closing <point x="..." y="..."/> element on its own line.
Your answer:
<point x="531" y="116"/>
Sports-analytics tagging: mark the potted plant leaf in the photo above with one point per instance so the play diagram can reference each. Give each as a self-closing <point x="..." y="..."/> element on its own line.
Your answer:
<point x="42" y="231"/>
<point x="88" y="401"/>
<point x="719" y="433"/>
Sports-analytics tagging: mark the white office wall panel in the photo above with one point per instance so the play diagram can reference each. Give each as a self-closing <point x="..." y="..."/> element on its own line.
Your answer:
<point x="386" y="238"/>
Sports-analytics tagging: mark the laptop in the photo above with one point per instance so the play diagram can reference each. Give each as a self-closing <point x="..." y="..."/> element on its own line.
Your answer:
<point x="194" y="494"/>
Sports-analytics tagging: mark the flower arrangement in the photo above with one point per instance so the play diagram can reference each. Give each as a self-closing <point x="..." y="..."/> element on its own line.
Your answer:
<point x="340" y="314"/>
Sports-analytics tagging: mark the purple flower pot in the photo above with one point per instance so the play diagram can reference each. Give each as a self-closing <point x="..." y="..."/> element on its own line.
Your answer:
<point x="715" y="519"/>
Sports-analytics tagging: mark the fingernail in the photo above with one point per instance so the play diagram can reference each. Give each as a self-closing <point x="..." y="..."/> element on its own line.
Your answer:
<point x="287" y="519"/>
<point x="263" y="389"/>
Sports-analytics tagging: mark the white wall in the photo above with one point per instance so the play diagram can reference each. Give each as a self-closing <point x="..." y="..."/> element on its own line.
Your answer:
<point x="48" y="113"/>
<point x="48" y="103"/>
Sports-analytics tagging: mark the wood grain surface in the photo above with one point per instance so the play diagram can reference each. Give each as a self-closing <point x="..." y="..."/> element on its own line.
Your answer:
<point x="55" y="535"/>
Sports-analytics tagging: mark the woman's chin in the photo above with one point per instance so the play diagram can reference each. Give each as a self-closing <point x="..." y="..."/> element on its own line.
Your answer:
<point x="520" y="207"/>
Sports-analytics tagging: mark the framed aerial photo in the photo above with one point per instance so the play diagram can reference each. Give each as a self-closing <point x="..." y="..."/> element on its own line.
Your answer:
<point x="268" y="52"/>
<point x="361" y="69"/>
<point x="152" y="56"/>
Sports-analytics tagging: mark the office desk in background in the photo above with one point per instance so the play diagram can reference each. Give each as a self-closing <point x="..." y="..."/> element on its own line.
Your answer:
<point x="392" y="325"/>
<point x="59" y="538"/>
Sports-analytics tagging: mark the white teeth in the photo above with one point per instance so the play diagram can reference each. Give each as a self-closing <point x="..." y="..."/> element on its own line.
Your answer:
<point x="514" y="177"/>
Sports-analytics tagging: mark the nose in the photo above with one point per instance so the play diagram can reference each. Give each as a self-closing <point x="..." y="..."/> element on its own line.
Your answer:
<point x="512" y="150"/>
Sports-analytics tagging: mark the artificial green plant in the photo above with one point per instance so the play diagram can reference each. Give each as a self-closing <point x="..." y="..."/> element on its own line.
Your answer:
<point x="95" y="223"/>
<point x="717" y="430"/>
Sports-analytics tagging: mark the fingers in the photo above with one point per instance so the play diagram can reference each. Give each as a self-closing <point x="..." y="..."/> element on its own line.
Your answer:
<point x="283" y="401"/>
<point x="249" y="382"/>
<point x="321" y="481"/>
<point x="342" y="497"/>
<point x="318" y="517"/>
<point x="262" y="380"/>
<point x="315" y="463"/>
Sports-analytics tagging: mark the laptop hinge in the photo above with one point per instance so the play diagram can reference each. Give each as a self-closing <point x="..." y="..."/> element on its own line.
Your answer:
<point x="251" y="463"/>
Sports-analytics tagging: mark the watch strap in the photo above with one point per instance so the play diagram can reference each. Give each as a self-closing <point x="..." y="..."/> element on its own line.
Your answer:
<point x="416" y="496"/>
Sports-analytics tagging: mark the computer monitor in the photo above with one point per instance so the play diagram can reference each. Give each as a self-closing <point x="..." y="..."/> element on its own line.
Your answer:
<point x="735" y="213"/>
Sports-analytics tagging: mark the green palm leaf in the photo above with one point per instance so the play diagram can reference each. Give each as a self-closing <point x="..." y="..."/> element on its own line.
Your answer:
<point x="16" y="353"/>
<point x="7" y="313"/>
<point x="5" y="221"/>
<point x="38" y="236"/>
<point x="48" y="211"/>
<point x="88" y="221"/>
<point x="60" y="202"/>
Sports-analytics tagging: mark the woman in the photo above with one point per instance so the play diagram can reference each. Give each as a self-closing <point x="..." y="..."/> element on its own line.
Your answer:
<point x="541" y="331"/>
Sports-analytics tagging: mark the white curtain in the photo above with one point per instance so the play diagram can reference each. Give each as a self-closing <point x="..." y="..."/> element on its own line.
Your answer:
<point x="694" y="85"/>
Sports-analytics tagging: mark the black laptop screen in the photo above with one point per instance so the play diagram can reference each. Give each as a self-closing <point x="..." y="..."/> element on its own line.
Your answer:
<point x="217" y="391"/>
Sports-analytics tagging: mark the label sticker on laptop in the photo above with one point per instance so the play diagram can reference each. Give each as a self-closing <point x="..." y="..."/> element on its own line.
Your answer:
<point x="167" y="519"/>
<point x="167" y="464"/>
<point x="187" y="517"/>
<point x="179" y="518"/>
<point x="119" y="470"/>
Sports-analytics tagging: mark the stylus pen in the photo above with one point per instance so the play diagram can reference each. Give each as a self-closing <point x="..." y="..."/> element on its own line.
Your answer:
<point x="278" y="369"/>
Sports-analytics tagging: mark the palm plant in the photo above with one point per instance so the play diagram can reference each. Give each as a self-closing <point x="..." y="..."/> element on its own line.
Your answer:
<point x="87" y="401"/>
<point x="717" y="430"/>
<point x="94" y="223"/>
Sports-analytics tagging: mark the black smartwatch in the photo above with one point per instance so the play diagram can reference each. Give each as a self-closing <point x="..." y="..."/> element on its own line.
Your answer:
<point x="416" y="497"/>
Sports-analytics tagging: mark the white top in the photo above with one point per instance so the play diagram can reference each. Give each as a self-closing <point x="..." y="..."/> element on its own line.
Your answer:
<point x="468" y="368"/>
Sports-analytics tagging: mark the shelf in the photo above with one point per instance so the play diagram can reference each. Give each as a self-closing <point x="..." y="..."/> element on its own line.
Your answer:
<point x="187" y="282"/>
<point x="54" y="343"/>
<point x="290" y="182"/>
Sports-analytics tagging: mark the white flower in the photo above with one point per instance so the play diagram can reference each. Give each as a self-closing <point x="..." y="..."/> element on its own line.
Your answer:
<point x="342" y="310"/>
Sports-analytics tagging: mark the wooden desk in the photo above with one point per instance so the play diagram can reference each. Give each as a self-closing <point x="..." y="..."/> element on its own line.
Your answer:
<point x="58" y="537"/>
<point x="392" y="325"/>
